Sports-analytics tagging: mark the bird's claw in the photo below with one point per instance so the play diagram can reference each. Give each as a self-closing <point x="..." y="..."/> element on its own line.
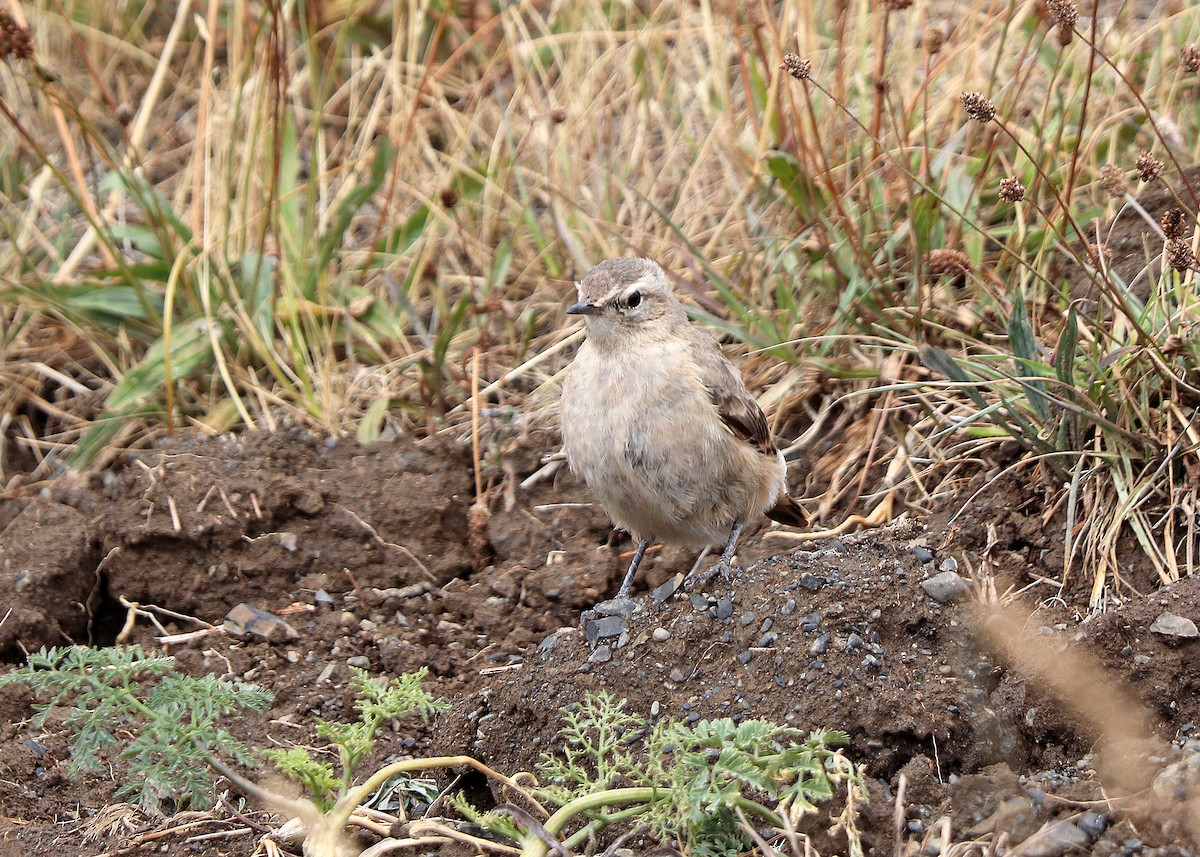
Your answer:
<point x="726" y="569"/>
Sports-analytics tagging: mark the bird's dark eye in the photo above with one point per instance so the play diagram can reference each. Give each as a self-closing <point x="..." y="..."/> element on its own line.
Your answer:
<point x="633" y="299"/>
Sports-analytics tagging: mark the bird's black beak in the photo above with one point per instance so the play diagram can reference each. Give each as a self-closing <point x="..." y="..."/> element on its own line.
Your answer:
<point x="583" y="308"/>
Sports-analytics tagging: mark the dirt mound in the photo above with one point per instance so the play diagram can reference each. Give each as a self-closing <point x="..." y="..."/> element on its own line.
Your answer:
<point x="375" y="559"/>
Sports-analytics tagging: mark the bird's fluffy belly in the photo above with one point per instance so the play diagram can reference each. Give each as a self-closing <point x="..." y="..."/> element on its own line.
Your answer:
<point x="674" y="472"/>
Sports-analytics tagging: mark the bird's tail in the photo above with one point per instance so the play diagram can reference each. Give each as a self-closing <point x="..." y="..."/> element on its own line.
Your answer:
<point x="787" y="511"/>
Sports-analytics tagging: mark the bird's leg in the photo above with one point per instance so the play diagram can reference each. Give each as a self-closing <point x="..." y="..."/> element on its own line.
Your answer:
<point x="724" y="566"/>
<point x="633" y="567"/>
<point x="700" y="559"/>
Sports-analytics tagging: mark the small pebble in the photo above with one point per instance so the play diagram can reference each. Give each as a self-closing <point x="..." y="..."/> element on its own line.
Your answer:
<point x="661" y="635"/>
<point x="663" y="593"/>
<point x="677" y="675"/>
<point x="609" y="626"/>
<point x="746" y="618"/>
<point x="946" y="587"/>
<point x="744" y="657"/>
<point x="602" y="655"/>
<point x="360" y="661"/>
<point x="724" y="609"/>
<point x="811" y="622"/>
<point x="788" y="607"/>
<point x="1055" y="840"/>
<point x="923" y="554"/>
<point x="811" y="582"/>
<point x="1170" y="625"/>
<point x="1092" y="823"/>
<point x="820" y="645"/>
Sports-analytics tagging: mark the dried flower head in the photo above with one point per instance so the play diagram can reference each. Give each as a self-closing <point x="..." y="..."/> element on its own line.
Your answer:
<point x="1149" y="167"/>
<point x="933" y="38"/>
<point x="1179" y="255"/>
<point x="449" y="197"/>
<point x="1062" y="13"/>
<point x="1189" y="57"/>
<point x="944" y="261"/>
<point x="1112" y="179"/>
<point x="796" y="67"/>
<point x="1174" y="223"/>
<point x="15" y="41"/>
<point x="978" y="106"/>
<point x="1097" y="255"/>
<point x="1011" y="189"/>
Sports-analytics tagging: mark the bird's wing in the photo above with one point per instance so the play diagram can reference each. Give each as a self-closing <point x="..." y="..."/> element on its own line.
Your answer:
<point x="739" y="411"/>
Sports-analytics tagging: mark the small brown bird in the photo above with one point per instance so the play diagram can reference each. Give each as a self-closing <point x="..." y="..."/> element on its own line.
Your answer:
<point x="660" y="425"/>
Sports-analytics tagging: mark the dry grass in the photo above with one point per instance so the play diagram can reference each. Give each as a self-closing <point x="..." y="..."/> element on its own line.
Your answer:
<point x="232" y="215"/>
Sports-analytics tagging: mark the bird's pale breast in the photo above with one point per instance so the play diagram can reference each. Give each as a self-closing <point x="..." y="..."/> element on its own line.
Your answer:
<point x="643" y="432"/>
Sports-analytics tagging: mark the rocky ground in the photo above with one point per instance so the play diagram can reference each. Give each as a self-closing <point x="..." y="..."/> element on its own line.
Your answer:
<point x="976" y="727"/>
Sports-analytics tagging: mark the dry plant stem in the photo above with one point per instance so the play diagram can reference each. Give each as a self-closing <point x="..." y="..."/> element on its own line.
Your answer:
<point x="346" y="805"/>
<point x="835" y="193"/>
<point x="1136" y="93"/>
<point x="1083" y="109"/>
<point x="880" y="82"/>
<point x="137" y="134"/>
<point x="960" y="215"/>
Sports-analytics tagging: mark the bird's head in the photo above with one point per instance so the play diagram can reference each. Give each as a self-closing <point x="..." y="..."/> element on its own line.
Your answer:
<point x="621" y="298"/>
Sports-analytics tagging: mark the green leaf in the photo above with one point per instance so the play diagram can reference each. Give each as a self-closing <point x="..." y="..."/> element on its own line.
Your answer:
<point x="1064" y="354"/>
<point x="1026" y="359"/>
<point x="144" y="383"/>
<point x="353" y="201"/>
<point x="806" y="195"/>
<point x="371" y="424"/>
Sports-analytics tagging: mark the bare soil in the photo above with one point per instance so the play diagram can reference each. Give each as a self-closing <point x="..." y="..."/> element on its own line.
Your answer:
<point x="374" y="557"/>
<point x="383" y="557"/>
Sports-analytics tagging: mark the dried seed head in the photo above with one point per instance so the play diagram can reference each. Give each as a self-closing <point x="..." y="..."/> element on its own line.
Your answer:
<point x="1112" y="179"/>
<point x="1174" y="223"/>
<point x="796" y="67"/>
<point x="1011" y="189"/>
<point x="933" y="38"/>
<point x="558" y="115"/>
<point x="1149" y="167"/>
<point x="1179" y="255"/>
<point x="449" y="197"/>
<point x="896" y="5"/>
<point x="1064" y="14"/>
<point x="978" y="107"/>
<point x="944" y="261"/>
<point x="15" y="41"/>
<point x="1189" y="57"/>
<point x="1097" y="254"/>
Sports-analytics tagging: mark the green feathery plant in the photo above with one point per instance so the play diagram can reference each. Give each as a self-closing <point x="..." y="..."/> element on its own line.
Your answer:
<point x="696" y="785"/>
<point x="174" y="718"/>
<point x="378" y="703"/>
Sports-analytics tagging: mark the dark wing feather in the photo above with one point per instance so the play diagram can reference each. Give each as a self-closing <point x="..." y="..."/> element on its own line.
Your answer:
<point x="739" y="411"/>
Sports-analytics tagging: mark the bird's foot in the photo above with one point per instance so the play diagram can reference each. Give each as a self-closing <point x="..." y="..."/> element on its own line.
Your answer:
<point x="723" y="567"/>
